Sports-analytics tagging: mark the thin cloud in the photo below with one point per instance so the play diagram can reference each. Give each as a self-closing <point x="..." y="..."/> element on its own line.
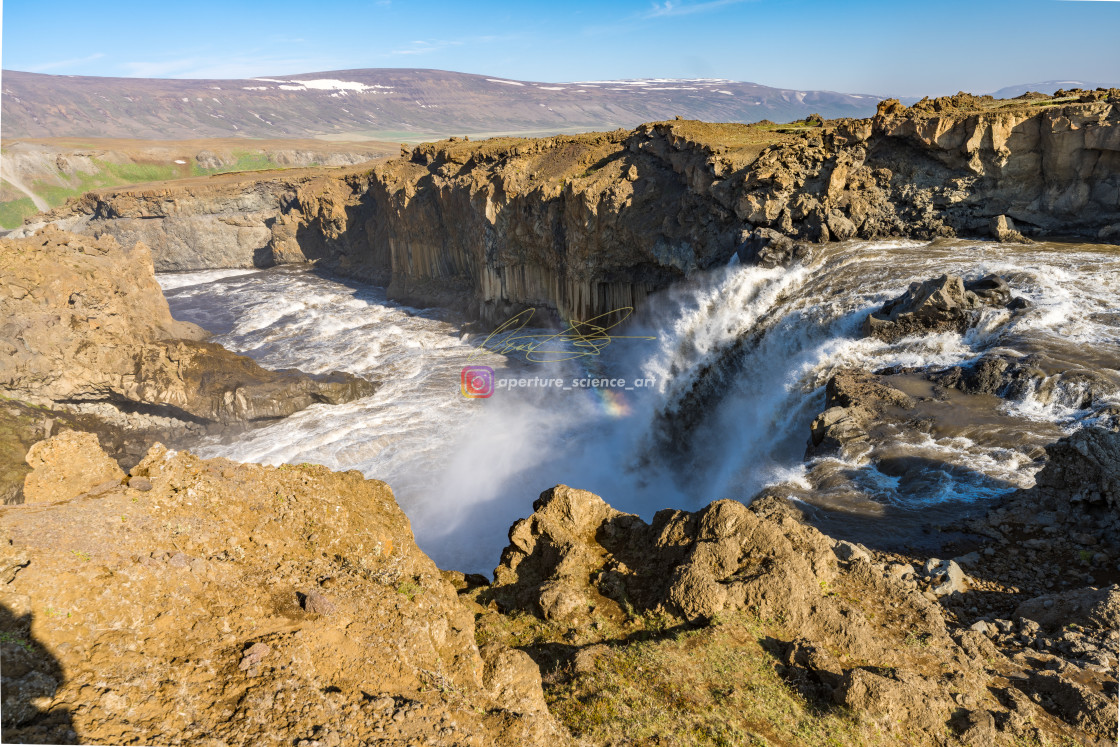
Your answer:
<point x="238" y="68"/>
<point x="669" y="8"/>
<point x="65" y="63"/>
<point x="425" y="47"/>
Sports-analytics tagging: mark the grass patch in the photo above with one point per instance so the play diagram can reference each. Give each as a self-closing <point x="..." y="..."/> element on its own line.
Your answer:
<point x="135" y="173"/>
<point x="13" y="212"/>
<point x="9" y="637"/>
<point x="246" y="161"/>
<point x="712" y="686"/>
<point x="409" y="589"/>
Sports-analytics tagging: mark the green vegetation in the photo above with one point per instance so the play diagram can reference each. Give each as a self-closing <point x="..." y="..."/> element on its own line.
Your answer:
<point x="658" y="680"/>
<point x="9" y="637"/>
<point x="409" y="589"/>
<point x="711" y="686"/>
<point x="135" y="173"/>
<point x="920" y="640"/>
<point x="112" y="174"/>
<point x="13" y="212"/>
<point x="246" y="161"/>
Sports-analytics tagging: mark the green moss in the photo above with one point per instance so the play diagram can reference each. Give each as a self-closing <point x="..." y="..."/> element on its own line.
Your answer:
<point x="136" y="173"/>
<point x="246" y="161"/>
<point x="13" y="212"/>
<point x="713" y="686"/>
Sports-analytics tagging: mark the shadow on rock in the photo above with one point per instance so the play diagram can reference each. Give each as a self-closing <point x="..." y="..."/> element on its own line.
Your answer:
<point x="31" y="677"/>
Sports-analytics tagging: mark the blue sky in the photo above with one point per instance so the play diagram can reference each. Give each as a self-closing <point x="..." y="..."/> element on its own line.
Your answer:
<point x="898" y="48"/>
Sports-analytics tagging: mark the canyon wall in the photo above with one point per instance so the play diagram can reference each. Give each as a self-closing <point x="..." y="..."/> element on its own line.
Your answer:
<point x="580" y="225"/>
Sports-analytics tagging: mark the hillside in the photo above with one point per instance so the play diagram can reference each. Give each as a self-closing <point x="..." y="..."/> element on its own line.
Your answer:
<point x="39" y="174"/>
<point x="385" y="104"/>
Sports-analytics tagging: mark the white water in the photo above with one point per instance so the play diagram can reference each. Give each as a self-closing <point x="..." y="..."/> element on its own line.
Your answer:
<point x="465" y="469"/>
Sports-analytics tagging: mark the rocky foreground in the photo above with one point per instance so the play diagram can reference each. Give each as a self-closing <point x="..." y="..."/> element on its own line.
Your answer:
<point x="208" y="602"/>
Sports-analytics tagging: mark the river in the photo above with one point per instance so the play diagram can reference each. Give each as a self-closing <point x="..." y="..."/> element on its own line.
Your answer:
<point x="464" y="468"/>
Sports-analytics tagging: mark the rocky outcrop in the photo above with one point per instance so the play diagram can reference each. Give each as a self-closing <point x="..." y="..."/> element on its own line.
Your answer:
<point x="855" y="402"/>
<point x="88" y="343"/>
<point x="234" y="220"/>
<point x="210" y="602"/>
<point x="850" y="627"/>
<point x="582" y="225"/>
<point x="1048" y="380"/>
<point x="68" y="465"/>
<point x="944" y="304"/>
<point x="85" y="322"/>
<point x="1078" y="488"/>
<point x="1003" y="229"/>
<point x="1083" y="468"/>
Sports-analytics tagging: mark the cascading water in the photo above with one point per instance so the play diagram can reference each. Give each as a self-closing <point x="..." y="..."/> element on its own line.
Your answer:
<point x="737" y="363"/>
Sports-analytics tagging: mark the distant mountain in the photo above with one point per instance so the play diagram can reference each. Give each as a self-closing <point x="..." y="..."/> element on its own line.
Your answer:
<point x="1046" y="86"/>
<point x="393" y="103"/>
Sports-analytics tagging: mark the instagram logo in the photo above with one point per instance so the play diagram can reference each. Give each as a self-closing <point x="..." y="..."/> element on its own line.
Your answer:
<point x="478" y="381"/>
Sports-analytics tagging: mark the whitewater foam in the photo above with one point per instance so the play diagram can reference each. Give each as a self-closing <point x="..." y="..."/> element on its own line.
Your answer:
<point x="465" y="469"/>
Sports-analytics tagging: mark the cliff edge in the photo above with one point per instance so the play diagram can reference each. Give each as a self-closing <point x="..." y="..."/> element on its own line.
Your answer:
<point x="583" y="224"/>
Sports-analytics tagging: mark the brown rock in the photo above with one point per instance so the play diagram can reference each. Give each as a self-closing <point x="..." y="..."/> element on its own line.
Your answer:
<point x="67" y="465"/>
<point x="1003" y="229"/>
<point x="91" y="324"/>
<point x="318" y="604"/>
<point x="941" y="304"/>
<point x="512" y="679"/>
<point x="212" y="598"/>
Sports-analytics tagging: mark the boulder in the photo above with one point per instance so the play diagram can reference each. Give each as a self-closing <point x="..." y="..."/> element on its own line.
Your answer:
<point x="943" y="304"/>
<point x="766" y="247"/>
<point x="1003" y="229"/>
<point x="856" y="400"/>
<point x="67" y="465"/>
<point x="1094" y="609"/>
<point x="1083" y="467"/>
<point x="946" y="577"/>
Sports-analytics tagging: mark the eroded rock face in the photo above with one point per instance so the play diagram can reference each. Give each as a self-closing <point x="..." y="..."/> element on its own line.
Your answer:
<point x="944" y="304"/>
<point x="1084" y="468"/>
<point x="241" y="604"/>
<point x="582" y="225"/>
<point x="84" y="321"/>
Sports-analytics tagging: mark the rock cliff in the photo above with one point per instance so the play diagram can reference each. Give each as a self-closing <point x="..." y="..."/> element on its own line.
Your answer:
<point x="584" y="224"/>
<point x="85" y="328"/>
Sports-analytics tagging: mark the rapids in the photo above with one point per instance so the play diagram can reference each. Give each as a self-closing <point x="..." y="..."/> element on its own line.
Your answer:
<point x="712" y="388"/>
